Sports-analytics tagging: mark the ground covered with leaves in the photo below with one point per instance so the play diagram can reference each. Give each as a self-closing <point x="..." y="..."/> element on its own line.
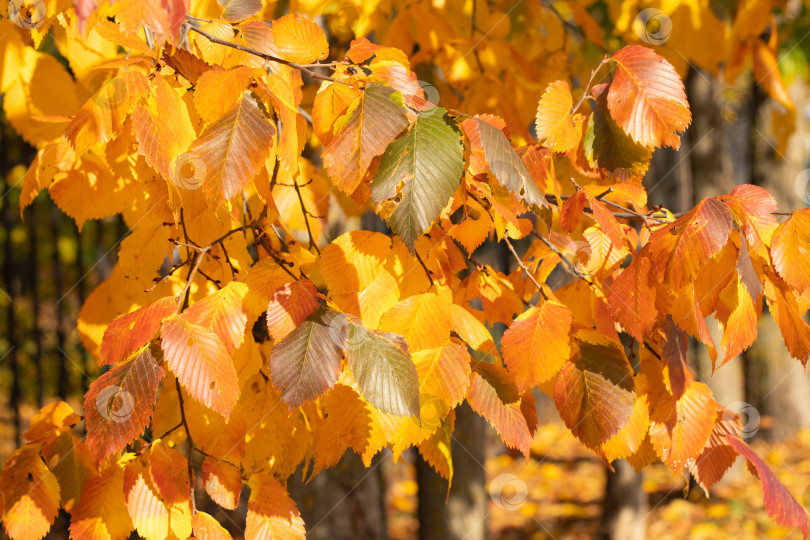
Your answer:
<point x="565" y="486"/>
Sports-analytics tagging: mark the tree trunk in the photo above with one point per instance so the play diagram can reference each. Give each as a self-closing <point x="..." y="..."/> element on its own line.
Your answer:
<point x="626" y="506"/>
<point x="776" y="385"/>
<point x="346" y="502"/>
<point x="464" y="514"/>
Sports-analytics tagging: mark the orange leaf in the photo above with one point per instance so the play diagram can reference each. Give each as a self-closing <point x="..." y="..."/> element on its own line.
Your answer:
<point x="128" y="333"/>
<point x="118" y="405"/>
<point x="753" y="207"/>
<point x="787" y="313"/>
<point x="606" y="220"/>
<point x="680" y="249"/>
<point x="629" y="438"/>
<point x="168" y="470"/>
<point x="290" y="306"/>
<point x="101" y="512"/>
<point x="632" y="300"/>
<point x="201" y="363"/>
<point x="222" y="481"/>
<point x="554" y="125"/>
<point x="717" y="456"/>
<point x="299" y="39"/>
<point x="49" y="421"/>
<point x="206" y="527"/>
<point x="423" y="320"/>
<point x="223" y="313"/>
<point x="30" y="495"/>
<point x="345" y="425"/>
<point x="271" y="511"/>
<point x="790" y="249"/>
<point x="374" y="120"/>
<point x="680" y="428"/>
<point x="149" y="514"/>
<point x="537" y="344"/>
<point x="218" y="90"/>
<point x="102" y="116"/>
<point x="233" y="148"/>
<point x="738" y="315"/>
<point x="647" y="98"/>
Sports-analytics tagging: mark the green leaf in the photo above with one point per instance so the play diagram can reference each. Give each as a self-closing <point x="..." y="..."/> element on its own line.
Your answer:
<point x="420" y="171"/>
<point x="505" y="164"/>
<point x="608" y="147"/>
<point x="383" y="369"/>
<point x="306" y="363"/>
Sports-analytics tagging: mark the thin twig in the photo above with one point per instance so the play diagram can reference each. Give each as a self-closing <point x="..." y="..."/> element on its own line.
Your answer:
<point x="523" y="267"/>
<point x="587" y="88"/>
<point x="562" y="257"/>
<point x="190" y="447"/>
<point x="312" y="243"/>
<point x="427" y="272"/>
<point x="268" y="57"/>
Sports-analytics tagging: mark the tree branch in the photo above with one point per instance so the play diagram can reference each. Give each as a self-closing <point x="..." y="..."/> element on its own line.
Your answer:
<point x="268" y="57"/>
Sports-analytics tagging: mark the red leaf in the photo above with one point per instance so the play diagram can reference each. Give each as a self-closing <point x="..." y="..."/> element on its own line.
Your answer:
<point x="606" y="220"/>
<point x="506" y="418"/>
<point x="572" y="211"/>
<point x="673" y="354"/>
<point x="594" y="393"/>
<point x="130" y="332"/>
<point x="779" y="503"/>
<point x="632" y="300"/>
<point x="753" y="207"/>
<point x="717" y="456"/>
<point x="680" y="249"/>
<point x="647" y="98"/>
<point x="118" y="405"/>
